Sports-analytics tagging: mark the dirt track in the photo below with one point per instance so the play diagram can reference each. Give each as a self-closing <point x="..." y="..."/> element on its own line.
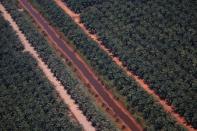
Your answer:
<point x="56" y="84"/>
<point x="141" y="82"/>
<point x="82" y="68"/>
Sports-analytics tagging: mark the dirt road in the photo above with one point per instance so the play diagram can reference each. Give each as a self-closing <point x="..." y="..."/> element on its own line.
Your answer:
<point x="82" y="67"/>
<point x="47" y="72"/>
<point x="141" y="82"/>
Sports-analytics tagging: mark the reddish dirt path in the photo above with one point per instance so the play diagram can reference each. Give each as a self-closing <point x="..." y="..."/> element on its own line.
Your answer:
<point x="141" y="82"/>
<point x="82" y="68"/>
<point x="47" y="72"/>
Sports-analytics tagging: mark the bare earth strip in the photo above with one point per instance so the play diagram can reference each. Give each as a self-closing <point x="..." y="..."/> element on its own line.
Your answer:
<point x="56" y="84"/>
<point x="83" y="69"/>
<point x="76" y="18"/>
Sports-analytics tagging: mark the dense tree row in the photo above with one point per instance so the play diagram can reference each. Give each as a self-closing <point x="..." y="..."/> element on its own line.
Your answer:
<point x="28" y="101"/>
<point x="137" y="100"/>
<point x="82" y="4"/>
<point x="154" y="39"/>
<point x="77" y="91"/>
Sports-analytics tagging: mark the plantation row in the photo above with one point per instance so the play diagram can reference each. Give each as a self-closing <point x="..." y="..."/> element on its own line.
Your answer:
<point x="154" y="39"/>
<point x="137" y="100"/>
<point x="77" y="91"/>
<point x="28" y="101"/>
<point x="80" y="5"/>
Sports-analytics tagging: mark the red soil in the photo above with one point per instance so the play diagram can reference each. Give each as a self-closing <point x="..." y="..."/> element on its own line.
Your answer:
<point x="168" y="108"/>
<point x="50" y="76"/>
<point x="82" y="67"/>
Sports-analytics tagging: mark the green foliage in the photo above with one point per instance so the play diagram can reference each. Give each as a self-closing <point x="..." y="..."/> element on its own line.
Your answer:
<point x="77" y="91"/>
<point x="136" y="97"/>
<point x="154" y="39"/>
<point x="27" y="99"/>
<point x="82" y="4"/>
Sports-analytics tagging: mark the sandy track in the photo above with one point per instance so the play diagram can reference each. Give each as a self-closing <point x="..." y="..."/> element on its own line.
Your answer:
<point x="76" y="18"/>
<point x="82" y="68"/>
<point x="56" y="84"/>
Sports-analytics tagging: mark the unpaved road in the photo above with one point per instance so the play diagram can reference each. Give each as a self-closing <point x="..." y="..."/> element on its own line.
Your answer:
<point x="56" y="84"/>
<point x="76" y="18"/>
<point x="82" y="68"/>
